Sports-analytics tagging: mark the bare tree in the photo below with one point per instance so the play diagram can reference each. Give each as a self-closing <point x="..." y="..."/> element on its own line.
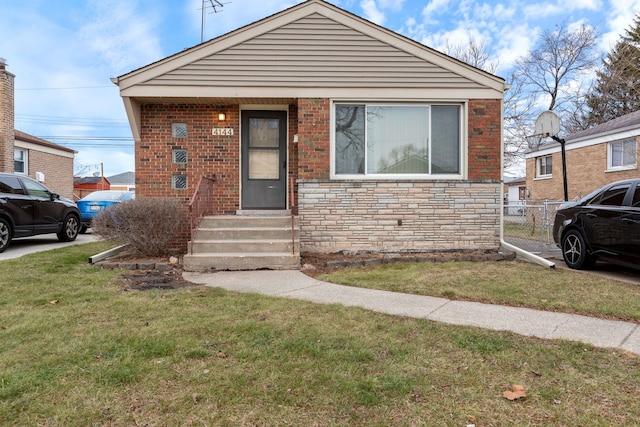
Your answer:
<point x="559" y="58"/>
<point x="475" y="54"/>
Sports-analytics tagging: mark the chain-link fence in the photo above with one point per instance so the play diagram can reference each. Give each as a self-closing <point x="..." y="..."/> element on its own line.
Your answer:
<point x="529" y="225"/>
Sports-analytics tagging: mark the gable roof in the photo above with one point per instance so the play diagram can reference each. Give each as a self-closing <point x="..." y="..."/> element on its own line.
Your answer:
<point x="311" y="50"/>
<point x="313" y="45"/>
<point x="78" y="180"/>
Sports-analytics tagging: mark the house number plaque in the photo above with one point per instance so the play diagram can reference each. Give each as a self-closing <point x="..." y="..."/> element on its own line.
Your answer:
<point x="222" y="131"/>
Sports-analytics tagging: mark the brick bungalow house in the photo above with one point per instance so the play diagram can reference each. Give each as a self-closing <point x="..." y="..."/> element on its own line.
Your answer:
<point x="22" y="153"/>
<point x="377" y="142"/>
<point x="595" y="157"/>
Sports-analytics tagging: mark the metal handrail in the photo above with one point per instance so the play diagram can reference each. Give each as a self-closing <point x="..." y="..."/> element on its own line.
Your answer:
<point x="291" y="206"/>
<point x="201" y="204"/>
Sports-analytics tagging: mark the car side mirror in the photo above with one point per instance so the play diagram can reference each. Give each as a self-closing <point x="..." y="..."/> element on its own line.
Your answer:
<point x="54" y="196"/>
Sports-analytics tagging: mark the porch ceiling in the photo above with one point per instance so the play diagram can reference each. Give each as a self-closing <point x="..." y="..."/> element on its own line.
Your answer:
<point x="221" y="101"/>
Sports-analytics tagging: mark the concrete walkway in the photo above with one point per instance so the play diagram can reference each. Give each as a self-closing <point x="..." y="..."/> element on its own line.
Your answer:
<point x="523" y="321"/>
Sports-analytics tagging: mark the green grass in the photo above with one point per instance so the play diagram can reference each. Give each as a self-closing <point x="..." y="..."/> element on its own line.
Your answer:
<point x="104" y="356"/>
<point x="512" y="283"/>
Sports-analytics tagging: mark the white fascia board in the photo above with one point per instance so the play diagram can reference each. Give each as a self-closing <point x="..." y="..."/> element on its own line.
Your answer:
<point x="591" y="140"/>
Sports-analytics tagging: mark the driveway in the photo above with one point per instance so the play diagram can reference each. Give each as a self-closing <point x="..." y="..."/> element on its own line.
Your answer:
<point x="43" y="242"/>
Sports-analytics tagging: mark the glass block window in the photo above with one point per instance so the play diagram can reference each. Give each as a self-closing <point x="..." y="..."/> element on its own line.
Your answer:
<point x="179" y="156"/>
<point x="179" y="182"/>
<point x="179" y="130"/>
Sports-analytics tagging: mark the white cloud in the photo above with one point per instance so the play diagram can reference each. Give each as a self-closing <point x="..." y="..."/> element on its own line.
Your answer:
<point x="435" y="7"/>
<point x="372" y="12"/>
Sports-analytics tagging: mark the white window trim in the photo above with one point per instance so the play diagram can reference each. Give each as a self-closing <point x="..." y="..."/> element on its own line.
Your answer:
<point x="26" y="160"/>
<point x="611" y="168"/>
<point x="403" y="177"/>
<point x="538" y="174"/>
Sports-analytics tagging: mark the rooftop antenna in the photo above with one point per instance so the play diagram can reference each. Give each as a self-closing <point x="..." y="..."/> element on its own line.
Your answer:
<point x="206" y="4"/>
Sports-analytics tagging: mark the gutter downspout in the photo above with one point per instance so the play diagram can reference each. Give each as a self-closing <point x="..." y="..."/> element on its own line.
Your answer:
<point x="527" y="255"/>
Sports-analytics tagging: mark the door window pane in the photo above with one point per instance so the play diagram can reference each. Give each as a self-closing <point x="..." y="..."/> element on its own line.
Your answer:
<point x="264" y="133"/>
<point x="264" y="164"/>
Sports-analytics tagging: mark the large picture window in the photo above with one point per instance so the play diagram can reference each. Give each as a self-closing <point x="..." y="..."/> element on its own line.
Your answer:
<point x="622" y="154"/>
<point x="401" y="140"/>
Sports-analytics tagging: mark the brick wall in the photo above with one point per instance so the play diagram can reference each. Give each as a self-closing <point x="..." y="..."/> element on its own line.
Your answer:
<point x="314" y="132"/>
<point x="434" y="215"/>
<point x="57" y="170"/>
<point x="485" y="139"/>
<point x="399" y="216"/>
<point x="586" y="171"/>
<point x="7" y="101"/>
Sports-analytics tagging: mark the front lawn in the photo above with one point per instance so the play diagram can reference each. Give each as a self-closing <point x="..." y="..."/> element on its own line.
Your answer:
<point x="79" y="349"/>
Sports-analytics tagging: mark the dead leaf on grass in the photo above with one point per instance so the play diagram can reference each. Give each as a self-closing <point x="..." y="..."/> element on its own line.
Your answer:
<point x="516" y="392"/>
<point x="55" y="301"/>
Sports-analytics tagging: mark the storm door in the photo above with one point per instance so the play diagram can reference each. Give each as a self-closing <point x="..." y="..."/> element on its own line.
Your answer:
<point x="264" y="159"/>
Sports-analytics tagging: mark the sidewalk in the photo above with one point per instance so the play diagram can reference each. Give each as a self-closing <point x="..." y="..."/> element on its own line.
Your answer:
<point x="523" y="321"/>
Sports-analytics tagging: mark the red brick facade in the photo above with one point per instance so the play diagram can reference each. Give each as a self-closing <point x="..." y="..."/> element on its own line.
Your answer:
<point x="485" y="139"/>
<point x="309" y="157"/>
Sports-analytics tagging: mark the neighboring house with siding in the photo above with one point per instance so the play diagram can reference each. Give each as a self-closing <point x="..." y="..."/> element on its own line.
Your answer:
<point x="378" y="142"/>
<point x="595" y="157"/>
<point x="26" y="154"/>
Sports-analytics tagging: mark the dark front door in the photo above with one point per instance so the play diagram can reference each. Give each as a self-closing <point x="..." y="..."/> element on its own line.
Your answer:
<point x="264" y="159"/>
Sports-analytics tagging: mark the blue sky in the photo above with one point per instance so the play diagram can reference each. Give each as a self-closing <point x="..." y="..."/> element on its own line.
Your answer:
<point x="64" y="53"/>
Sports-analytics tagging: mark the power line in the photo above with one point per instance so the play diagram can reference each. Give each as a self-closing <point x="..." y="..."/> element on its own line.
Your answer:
<point x="65" y="88"/>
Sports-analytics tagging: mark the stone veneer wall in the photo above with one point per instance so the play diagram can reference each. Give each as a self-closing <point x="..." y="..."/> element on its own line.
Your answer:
<point x="398" y="216"/>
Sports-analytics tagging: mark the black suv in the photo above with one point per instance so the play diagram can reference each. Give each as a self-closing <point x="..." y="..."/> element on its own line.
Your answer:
<point x="28" y="208"/>
<point x="603" y="225"/>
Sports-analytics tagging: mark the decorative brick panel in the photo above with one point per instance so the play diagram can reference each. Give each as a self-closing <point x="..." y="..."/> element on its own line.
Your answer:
<point x="397" y="216"/>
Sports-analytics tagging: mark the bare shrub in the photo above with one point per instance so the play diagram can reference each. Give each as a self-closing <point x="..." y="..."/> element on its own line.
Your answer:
<point x="148" y="225"/>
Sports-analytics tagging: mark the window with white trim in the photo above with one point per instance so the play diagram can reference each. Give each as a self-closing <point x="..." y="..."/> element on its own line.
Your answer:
<point x="393" y="140"/>
<point x="622" y="154"/>
<point x="544" y="166"/>
<point x="20" y="157"/>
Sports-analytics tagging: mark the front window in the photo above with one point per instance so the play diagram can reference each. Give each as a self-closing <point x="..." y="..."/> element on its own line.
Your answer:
<point x="20" y="161"/>
<point x="543" y="166"/>
<point x="397" y="140"/>
<point x="622" y="154"/>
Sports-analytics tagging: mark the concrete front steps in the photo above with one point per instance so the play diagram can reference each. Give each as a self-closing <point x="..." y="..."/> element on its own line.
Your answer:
<point x="247" y="241"/>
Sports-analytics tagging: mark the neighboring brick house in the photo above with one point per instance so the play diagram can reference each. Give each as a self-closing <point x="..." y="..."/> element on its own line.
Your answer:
<point x="20" y="152"/>
<point x="596" y="156"/>
<point x="85" y="185"/>
<point x="389" y="145"/>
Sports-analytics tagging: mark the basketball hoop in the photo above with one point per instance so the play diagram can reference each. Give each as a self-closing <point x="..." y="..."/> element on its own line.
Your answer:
<point x="534" y="141"/>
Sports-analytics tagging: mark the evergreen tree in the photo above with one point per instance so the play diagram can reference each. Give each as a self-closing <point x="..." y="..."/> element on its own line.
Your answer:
<point x="616" y="90"/>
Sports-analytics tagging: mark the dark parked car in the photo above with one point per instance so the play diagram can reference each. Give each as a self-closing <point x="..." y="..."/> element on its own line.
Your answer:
<point x="93" y="203"/>
<point x="603" y="225"/>
<point x="28" y="208"/>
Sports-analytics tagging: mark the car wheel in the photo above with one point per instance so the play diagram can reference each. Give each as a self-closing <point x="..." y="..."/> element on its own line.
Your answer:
<point x="70" y="229"/>
<point x="5" y="234"/>
<point x="574" y="251"/>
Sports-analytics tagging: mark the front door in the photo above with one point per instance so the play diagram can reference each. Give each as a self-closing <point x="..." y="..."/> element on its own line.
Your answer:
<point x="264" y="159"/>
